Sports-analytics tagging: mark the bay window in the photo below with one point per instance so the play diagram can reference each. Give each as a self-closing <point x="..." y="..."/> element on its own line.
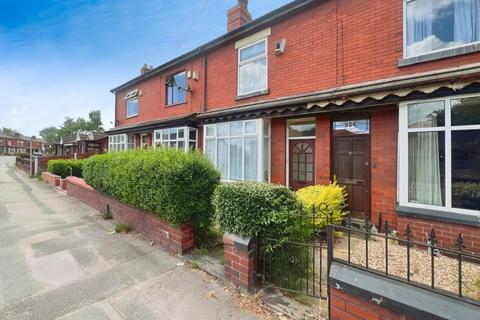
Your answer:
<point x="432" y="25"/>
<point x="439" y="149"/>
<point x="183" y="138"/>
<point x="240" y="149"/>
<point x="121" y="142"/>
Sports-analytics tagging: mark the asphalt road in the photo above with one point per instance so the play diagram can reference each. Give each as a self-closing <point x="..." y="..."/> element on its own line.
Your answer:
<point x="59" y="260"/>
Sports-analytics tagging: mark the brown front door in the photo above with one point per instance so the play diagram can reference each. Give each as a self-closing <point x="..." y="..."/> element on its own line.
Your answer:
<point x="302" y="163"/>
<point x="351" y="158"/>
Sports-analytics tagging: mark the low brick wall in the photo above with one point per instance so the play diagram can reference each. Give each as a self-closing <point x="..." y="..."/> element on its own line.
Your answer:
<point x="63" y="184"/>
<point x="177" y="240"/>
<point x="239" y="266"/>
<point x="344" y="306"/>
<point x="52" y="179"/>
<point x="446" y="232"/>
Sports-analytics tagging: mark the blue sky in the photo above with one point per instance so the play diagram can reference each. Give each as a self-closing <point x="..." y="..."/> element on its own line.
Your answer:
<point x="60" y="58"/>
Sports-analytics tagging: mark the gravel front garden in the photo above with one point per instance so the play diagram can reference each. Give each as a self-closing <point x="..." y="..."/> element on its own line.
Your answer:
<point x="446" y="268"/>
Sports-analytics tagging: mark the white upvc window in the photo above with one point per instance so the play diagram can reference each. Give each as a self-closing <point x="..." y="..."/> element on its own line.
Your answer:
<point x="240" y="149"/>
<point x="431" y="25"/>
<point x="253" y="68"/>
<point x="121" y="142"/>
<point x="131" y="100"/>
<point x="439" y="154"/>
<point x="183" y="138"/>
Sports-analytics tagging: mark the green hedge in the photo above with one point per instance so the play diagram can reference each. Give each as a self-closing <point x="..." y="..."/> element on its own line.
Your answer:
<point x="174" y="185"/>
<point x="257" y="209"/>
<point x="66" y="167"/>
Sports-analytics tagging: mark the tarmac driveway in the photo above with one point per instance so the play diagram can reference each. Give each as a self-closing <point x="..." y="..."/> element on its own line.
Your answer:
<point x="59" y="260"/>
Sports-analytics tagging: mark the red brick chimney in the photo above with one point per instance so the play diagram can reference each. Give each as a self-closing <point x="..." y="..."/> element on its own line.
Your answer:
<point x="238" y="15"/>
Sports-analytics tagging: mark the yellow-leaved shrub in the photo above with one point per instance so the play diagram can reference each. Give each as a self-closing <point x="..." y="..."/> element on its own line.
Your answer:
<point x="327" y="202"/>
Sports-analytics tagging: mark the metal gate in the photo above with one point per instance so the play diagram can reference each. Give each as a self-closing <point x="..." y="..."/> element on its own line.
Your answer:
<point x="297" y="264"/>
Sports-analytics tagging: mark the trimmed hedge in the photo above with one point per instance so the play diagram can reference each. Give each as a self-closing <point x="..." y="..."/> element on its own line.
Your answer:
<point x="257" y="209"/>
<point x="175" y="185"/>
<point x="66" y="167"/>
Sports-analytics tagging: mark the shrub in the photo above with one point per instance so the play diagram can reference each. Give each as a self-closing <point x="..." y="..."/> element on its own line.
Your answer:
<point x="66" y="167"/>
<point x="123" y="228"/>
<point x="175" y="185"/>
<point x="328" y="203"/>
<point x="256" y="209"/>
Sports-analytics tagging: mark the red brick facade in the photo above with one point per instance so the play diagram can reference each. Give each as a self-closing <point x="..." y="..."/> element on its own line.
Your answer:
<point x="348" y="307"/>
<point x="178" y="240"/>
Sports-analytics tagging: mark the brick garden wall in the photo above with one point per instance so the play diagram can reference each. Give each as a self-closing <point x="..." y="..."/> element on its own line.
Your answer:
<point x="179" y="240"/>
<point x="52" y="179"/>
<point x="239" y="265"/>
<point x="348" y="307"/>
<point x="446" y="233"/>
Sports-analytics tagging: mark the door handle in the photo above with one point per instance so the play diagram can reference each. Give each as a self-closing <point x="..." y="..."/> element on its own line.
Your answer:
<point x="366" y="164"/>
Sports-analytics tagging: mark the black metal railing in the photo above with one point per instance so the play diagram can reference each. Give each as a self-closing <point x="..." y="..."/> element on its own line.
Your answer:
<point x="359" y="240"/>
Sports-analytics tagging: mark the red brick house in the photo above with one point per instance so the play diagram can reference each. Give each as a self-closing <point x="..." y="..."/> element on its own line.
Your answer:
<point x="82" y="143"/>
<point x="18" y="143"/>
<point x="382" y="94"/>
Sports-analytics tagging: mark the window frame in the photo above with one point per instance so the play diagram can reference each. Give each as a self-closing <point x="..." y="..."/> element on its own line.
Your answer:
<point x="262" y="146"/>
<point x="124" y="142"/>
<point x="405" y="56"/>
<point x="186" y="138"/>
<point x="403" y="165"/>
<point x="167" y="88"/>
<point x="241" y="63"/>
<point x="126" y="109"/>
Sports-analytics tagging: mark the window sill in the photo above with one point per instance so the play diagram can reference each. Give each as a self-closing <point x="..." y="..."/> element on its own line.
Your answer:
<point x="253" y="94"/>
<point x="175" y="104"/>
<point x="132" y="116"/>
<point x="439" y="215"/>
<point x="447" y="53"/>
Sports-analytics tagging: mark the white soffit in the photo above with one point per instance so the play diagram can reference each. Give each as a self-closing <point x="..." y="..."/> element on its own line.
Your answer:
<point x="253" y="38"/>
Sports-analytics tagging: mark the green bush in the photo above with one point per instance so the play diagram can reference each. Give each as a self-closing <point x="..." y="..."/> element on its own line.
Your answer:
<point x="175" y="185"/>
<point x="328" y="202"/>
<point x="257" y="209"/>
<point x="66" y="167"/>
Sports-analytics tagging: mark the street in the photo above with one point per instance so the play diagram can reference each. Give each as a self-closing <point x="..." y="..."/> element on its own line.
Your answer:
<point x="59" y="259"/>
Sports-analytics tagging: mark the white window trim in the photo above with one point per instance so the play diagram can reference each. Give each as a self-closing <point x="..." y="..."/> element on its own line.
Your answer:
<point x="239" y="64"/>
<point x="260" y="136"/>
<point x="402" y="174"/>
<point x="126" y="109"/>
<point x="186" y="138"/>
<point x="287" y="146"/>
<point x="405" y="56"/>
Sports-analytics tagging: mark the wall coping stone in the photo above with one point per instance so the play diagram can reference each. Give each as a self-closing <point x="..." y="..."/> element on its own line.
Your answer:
<point x="397" y="296"/>
<point x="244" y="244"/>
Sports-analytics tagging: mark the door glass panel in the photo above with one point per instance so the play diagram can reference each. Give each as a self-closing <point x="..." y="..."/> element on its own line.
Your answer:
<point x="301" y="129"/>
<point x="302" y="163"/>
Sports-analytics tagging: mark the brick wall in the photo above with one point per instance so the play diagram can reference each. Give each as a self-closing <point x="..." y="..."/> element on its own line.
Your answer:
<point x="178" y="240"/>
<point x="348" y="307"/>
<point x="279" y="151"/>
<point x="52" y="179"/>
<point x="322" y="149"/>
<point x="384" y="133"/>
<point x="239" y="265"/>
<point x="446" y="233"/>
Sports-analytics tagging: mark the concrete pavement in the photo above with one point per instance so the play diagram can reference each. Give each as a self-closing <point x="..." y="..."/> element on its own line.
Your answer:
<point x="58" y="260"/>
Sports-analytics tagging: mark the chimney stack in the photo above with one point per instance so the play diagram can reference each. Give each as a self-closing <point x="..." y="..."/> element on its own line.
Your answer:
<point x="145" y="69"/>
<point x="238" y="15"/>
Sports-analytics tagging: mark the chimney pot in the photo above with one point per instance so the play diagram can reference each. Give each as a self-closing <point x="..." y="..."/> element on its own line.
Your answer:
<point x="238" y="15"/>
<point x="145" y="69"/>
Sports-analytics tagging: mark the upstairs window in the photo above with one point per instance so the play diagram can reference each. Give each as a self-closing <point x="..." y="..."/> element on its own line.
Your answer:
<point x="433" y="25"/>
<point x="176" y="86"/>
<point x="252" y="68"/>
<point x="131" y="99"/>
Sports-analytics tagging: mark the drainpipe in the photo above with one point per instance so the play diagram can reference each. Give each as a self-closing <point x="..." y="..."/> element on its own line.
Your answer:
<point x="204" y="84"/>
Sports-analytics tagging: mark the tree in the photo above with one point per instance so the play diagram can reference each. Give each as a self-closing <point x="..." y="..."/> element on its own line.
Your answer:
<point x="71" y="126"/>
<point x="7" y="131"/>
<point x="50" y="134"/>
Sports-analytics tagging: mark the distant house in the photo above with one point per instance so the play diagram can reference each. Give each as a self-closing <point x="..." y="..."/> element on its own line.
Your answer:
<point x="384" y="95"/>
<point x="18" y="143"/>
<point x="85" y="142"/>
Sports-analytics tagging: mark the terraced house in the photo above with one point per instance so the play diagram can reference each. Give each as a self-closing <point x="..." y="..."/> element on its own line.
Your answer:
<point x="17" y="143"/>
<point x="384" y="95"/>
